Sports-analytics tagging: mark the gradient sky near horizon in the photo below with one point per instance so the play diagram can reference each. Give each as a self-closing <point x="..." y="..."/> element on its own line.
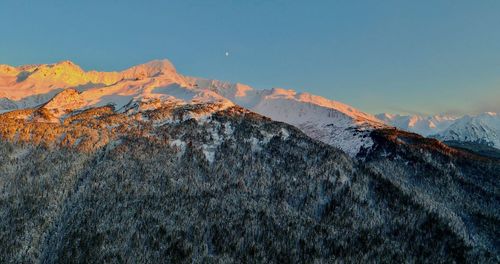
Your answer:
<point x="379" y="56"/>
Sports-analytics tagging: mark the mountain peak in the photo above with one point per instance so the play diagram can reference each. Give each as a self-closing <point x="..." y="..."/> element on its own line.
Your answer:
<point x="64" y="71"/>
<point x="66" y="62"/>
<point x="150" y="69"/>
<point x="67" y="100"/>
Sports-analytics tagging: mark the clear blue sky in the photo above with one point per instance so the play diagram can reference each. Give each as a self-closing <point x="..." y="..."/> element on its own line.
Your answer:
<point x="394" y="56"/>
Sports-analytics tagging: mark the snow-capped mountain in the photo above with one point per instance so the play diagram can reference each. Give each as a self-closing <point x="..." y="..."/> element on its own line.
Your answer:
<point x="153" y="80"/>
<point x="157" y="82"/>
<point x="420" y="124"/>
<point x="147" y="164"/>
<point x="483" y="129"/>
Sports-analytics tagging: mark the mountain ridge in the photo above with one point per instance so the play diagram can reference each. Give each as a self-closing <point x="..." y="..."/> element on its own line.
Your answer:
<point x="333" y="122"/>
<point x="329" y="121"/>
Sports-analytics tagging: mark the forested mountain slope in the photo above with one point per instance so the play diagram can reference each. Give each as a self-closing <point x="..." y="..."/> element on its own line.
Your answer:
<point x="212" y="182"/>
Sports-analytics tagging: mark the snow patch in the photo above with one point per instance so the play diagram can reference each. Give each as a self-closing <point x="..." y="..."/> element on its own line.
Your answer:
<point x="254" y="144"/>
<point x="228" y="129"/>
<point x="284" y="134"/>
<point x="180" y="145"/>
<point x="209" y="153"/>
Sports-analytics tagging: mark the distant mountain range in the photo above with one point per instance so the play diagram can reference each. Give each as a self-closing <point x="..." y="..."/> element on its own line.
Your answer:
<point x="420" y="124"/>
<point x="481" y="131"/>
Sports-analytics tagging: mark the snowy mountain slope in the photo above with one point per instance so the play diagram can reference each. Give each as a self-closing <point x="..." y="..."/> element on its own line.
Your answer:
<point x="157" y="82"/>
<point x="420" y="124"/>
<point x="329" y="121"/>
<point x="483" y="129"/>
<point x="327" y="124"/>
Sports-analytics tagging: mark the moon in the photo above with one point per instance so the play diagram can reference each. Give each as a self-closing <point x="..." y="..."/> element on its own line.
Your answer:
<point x="227" y="53"/>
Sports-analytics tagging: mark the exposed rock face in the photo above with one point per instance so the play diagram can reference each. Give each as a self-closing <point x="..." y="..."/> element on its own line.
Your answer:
<point x="218" y="183"/>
